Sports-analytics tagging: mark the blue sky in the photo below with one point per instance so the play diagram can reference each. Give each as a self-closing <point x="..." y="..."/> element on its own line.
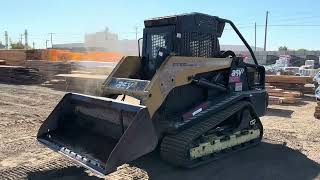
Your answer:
<point x="71" y="19"/>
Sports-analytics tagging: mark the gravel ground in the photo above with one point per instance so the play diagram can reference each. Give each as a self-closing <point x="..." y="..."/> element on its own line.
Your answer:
<point x="290" y="148"/>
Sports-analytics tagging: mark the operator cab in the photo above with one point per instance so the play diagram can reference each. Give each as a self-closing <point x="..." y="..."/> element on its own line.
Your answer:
<point x="192" y="35"/>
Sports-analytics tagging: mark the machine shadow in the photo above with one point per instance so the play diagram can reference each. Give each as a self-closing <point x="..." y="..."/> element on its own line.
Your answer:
<point x="297" y="104"/>
<point x="279" y="112"/>
<point x="266" y="161"/>
<point x="67" y="173"/>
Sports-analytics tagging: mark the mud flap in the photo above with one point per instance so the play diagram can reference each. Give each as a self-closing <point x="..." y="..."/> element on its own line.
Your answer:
<point x="99" y="133"/>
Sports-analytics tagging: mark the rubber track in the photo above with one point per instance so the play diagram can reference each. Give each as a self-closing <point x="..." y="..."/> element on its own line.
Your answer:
<point x="175" y="148"/>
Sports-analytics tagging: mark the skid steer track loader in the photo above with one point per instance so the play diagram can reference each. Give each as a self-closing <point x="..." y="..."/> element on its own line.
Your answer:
<point x="195" y="102"/>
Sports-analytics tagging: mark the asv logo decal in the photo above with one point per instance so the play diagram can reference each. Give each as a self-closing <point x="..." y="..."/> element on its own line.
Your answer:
<point x="237" y="72"/>
<point x="235" y="75"/>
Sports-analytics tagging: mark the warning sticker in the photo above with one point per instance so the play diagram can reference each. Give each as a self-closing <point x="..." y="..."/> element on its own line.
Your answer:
<point x="238" y="87"/>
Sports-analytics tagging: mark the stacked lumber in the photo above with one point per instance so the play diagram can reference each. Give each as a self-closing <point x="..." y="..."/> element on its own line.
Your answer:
<point x="284" y="93"/>
<point x="35" y="54"/>
<point x="303" y="84"/>
<point x="281" y="96"/>
<point x="274" y="100"/>
<point x="93" y="67"/>
<point x="288" y="79"/>
<point x="13" y="57"/>
<point x="48" y="69"/>
<point x="317" y="111"/>
<point x="51" y="68"/>
<point x="19" y="75"/>
<point x="304" y="88"/>
<point x="80" y="83"/>
<point x="99" y="70"/>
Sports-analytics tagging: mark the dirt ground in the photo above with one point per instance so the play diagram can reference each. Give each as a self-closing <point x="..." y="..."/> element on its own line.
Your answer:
<point x="290" y="148"/>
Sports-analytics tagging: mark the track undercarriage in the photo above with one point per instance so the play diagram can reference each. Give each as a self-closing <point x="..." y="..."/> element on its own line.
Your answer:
<point x="214" y="137"/>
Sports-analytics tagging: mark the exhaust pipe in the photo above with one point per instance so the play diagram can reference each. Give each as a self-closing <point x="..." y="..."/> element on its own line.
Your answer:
<point x="99" y="133"/>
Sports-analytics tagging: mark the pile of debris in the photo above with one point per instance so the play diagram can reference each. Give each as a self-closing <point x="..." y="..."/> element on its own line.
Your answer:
<point x="303" y="84"/>
<point x="48" y="69"/>
<point x="19" y="75"/>
<point x="281" y="96"/>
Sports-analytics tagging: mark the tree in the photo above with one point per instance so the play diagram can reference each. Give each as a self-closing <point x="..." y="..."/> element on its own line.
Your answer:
<point x="301" y="49"/>
<point x="283" y="48"/>
<point x="17" y="45"/>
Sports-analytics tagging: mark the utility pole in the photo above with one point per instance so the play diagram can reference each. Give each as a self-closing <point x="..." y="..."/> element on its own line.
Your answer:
<point x="6" y="39"/>
<point x="33" y="45"/>
<point x="265" y="32"/>
<point x="51" y="38"/>
<point x="255" y="36"/>
<point x="25" y="39"/>
<point x="47" y="44"/>
<point x="21" y="36"/>
<point x="136" y="31"/>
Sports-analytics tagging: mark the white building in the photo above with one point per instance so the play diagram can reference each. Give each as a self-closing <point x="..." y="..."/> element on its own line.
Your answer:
<point x="69" y="46"/>
<point x="110" y="42"/>
<point x="103" y="41"/>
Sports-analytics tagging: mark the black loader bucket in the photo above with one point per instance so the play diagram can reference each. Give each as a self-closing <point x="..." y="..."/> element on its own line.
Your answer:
<point x="99" y="133"/>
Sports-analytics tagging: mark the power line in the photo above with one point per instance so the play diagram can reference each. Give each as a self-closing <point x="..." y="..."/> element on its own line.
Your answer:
<point x="295" y="25"/>
<point x="288" y="18"/>
<point x="279" y="18"/>
<point x="275" y="25"/>
<point x="240" y="27"/>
